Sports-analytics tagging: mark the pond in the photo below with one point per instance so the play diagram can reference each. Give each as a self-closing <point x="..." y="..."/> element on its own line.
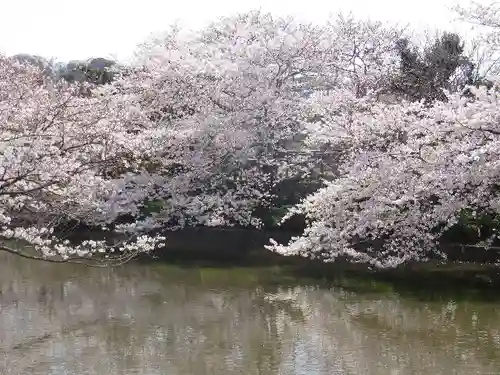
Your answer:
<point x="158" y="319"/>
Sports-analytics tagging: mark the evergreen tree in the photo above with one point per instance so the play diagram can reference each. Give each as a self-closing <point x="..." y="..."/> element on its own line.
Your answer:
<point x="424" y="74"/>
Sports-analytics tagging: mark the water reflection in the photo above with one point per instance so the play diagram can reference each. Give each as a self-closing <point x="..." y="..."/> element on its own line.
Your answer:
<point x="157" y="320"/>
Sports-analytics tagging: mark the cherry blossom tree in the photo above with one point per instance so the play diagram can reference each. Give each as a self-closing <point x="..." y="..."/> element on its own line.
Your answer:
<point x="59" y="144"/>
<point x="484" y="20"/>
<point x="231" y="97"/>
<point x="409" y="173"/>
<point x="198" y="132"/>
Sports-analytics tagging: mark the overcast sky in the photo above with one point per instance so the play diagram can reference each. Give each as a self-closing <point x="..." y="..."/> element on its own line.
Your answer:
<point x="112" y="28"/>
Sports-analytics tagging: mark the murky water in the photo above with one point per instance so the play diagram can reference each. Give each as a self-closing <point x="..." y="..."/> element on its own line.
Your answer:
<point x="162" y="320"/>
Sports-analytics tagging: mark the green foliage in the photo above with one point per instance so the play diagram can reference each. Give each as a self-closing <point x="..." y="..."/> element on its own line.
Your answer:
<point x="288" y="193"/>
<point x="153" y="206"/>
<point x="97" y="71"/>
<point x="473" y="227"/>
<point x="423" y="74"/>
<point x="274" y="215"/>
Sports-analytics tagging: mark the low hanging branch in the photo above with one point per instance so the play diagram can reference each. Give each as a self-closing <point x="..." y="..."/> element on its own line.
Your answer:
<point x="51" y="153"/>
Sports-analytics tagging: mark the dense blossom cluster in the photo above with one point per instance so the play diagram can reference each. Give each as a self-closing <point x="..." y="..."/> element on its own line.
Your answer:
<point x="58" y="146"/>
<point x="410" y="172"/>
<point x="204" y="124"/>
<point x="232" y="99"/>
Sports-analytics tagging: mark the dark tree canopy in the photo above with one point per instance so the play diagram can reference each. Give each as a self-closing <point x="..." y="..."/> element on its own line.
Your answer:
<point x="95" y="70"/>
<point x="423" y="74"/>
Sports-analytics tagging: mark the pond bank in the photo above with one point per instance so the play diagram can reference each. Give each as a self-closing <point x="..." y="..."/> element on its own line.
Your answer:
<point x="217" y="247"/>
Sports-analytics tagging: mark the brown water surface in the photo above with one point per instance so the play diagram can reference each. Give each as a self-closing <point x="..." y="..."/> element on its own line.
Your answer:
<point x="157" y="319"/>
